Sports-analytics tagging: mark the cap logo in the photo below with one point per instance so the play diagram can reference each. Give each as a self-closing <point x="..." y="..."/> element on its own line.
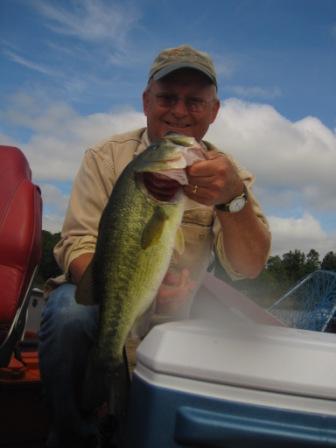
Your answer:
<point x="176" y="52"/>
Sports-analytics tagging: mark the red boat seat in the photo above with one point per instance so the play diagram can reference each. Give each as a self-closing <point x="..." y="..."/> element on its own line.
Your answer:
<point x="20" y="245"/>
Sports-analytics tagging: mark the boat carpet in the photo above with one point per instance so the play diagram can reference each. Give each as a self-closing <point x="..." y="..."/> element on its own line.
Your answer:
<point x="23" y="416"/>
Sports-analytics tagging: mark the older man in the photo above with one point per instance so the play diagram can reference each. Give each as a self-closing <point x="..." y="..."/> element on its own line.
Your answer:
<point x="221" y="214"/>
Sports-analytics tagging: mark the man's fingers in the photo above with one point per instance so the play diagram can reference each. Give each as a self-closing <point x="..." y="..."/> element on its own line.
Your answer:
<point x="206" y="167"/>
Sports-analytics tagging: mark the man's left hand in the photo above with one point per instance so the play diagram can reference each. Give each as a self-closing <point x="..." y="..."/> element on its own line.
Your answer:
<point x="214" y="180"/>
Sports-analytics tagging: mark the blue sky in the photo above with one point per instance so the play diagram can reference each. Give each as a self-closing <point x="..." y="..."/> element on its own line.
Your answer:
<point x="72" y="73"/>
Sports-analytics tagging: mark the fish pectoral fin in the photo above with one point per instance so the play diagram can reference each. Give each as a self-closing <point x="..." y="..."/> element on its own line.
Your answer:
<point x="179" y="241"/>
<point x="153" y="230"/>
<point x="84" y="291"/>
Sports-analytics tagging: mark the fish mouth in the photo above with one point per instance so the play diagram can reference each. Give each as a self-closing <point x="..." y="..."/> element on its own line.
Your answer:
<point x="176" y="160"/>
<point x="159" y="187"/>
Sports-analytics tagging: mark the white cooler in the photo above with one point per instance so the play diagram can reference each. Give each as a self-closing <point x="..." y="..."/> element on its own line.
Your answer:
<point x="235" y="385"/>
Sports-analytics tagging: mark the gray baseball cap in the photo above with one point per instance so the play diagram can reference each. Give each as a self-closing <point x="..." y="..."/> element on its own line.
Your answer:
<point x="184" y="56"/>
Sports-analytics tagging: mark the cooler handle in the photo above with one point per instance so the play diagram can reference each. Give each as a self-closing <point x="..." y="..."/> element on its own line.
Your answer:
<point x="203" y="428"/>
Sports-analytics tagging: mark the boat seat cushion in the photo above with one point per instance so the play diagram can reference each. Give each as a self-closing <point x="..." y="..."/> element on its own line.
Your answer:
<point x="20" y="232"/>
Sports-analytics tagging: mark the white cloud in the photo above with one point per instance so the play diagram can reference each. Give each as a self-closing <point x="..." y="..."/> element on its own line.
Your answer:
<point x="302" y="233"/>
<point x="294" y="164"/>
<point x="225" y="65"/>
<point x="53" y="196"/>
<point x="60" y="135"/>
<point x="292" y="160"/>
<point x="254" y="91"/>
<point x="90" y="20"/>
<point x="52" y="223"/>
<point x="30" y="64"/>
<point x="7" y="140"/>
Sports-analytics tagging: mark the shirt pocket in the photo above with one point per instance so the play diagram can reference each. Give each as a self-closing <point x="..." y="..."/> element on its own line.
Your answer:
<point x="198" y="238"/>
<point x="201" y="216"/>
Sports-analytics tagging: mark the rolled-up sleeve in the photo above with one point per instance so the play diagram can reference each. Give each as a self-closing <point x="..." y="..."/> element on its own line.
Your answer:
<point x="91" y="189"/>
<point x="248" y="180"/>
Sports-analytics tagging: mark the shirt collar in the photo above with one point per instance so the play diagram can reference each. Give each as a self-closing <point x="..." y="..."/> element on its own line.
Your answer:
<point x="143" y="144"/>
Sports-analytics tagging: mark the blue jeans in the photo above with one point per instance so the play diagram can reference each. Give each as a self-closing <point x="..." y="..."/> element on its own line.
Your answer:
<point x="67" y="333"/>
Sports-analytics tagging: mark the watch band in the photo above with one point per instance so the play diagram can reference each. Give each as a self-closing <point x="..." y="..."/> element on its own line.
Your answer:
<point x="226" y="207"/>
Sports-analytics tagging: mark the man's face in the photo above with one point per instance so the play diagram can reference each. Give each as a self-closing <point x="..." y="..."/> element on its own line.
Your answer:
<point x="182" y="102"/>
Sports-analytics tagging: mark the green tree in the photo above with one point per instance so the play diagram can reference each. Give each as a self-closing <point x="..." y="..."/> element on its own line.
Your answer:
<point x="276" y="268"/>
<point x="294" y="265"/>
<point x="48" y="266"/>
<point x="312" y="261"/>
<point x="279" y="275"/>
<point x="329" y="262"/>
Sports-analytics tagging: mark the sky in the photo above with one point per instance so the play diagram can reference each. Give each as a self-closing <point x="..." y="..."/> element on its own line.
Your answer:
<point x="72" y="74"/>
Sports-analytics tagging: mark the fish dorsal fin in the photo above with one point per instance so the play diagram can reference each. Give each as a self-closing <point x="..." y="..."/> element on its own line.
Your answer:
<point x="179" y="241"/>
<point x="153" y="230"/>
<point x="84" y="291"/>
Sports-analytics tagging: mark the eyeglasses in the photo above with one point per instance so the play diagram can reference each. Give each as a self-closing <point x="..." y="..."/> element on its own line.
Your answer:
<point x="193" y="104"/>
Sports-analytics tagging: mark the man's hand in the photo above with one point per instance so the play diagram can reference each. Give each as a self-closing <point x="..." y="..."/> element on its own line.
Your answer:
<point x="78" y="266"/>
<point x="174" y="292"/>
<point x="245" y="239"/>
<point x="214" y="180"/>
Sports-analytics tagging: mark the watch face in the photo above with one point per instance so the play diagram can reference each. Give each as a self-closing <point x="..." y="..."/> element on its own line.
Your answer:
<point x="237" y="204"/>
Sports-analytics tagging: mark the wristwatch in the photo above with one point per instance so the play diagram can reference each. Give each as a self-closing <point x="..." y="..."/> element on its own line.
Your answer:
<point x="236" y="204"/>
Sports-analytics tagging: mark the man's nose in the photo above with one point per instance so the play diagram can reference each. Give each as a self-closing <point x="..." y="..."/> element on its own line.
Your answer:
<point x="180" y="108"/>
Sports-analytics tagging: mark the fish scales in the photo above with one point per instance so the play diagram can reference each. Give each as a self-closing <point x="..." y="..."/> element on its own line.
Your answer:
<point x="126" y="275"/>
<point x="136" y="239"/>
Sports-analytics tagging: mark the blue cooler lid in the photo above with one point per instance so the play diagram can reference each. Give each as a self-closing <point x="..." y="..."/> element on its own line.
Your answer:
<point x="243" y="354"/>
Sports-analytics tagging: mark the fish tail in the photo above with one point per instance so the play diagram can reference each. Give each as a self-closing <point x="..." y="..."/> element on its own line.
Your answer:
<point x="119" y="387"/>
<point x="119" y="398"/>
<point x="104" y="384"/>
<point x="94" y="391"/>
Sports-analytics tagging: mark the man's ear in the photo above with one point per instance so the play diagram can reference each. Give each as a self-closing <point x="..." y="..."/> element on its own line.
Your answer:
<point x="215" y="109"/>
<point x="145" y="100"/>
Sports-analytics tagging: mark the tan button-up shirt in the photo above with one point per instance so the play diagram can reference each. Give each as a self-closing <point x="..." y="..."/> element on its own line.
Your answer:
<point x="101" y="166"/>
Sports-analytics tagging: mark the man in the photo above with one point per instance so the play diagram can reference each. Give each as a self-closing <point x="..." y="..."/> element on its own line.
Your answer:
<point x="181" y="96"/>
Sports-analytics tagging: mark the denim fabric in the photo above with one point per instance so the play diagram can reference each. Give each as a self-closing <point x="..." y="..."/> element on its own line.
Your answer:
<point x="66" y="336"/>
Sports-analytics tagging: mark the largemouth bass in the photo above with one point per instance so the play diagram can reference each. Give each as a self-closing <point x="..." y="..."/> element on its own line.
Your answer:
<point x="136" y="238"/>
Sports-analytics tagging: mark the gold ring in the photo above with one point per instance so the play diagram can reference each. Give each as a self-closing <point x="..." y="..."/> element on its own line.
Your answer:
<point x="195" y="189"/>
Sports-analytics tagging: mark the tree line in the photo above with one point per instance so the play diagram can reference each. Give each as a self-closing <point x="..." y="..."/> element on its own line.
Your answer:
<point x="279" y="275"/>
<point x="48" y="267"/>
